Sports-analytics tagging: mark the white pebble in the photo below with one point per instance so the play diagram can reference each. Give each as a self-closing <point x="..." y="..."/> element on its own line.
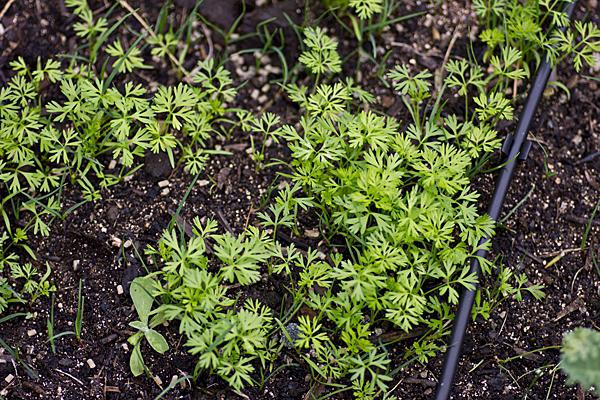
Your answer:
<point x="164" y="183"/>
<point x="91" y="363"/>
<point x="9" y="378"/>
<point x="31" y="332"/>
<point x="312" y="233"/>
<point x="115" y="241"/>
<point x="120" y="289"/>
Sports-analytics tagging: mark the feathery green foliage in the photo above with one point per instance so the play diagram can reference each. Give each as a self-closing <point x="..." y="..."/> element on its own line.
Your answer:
<point x="192" y="287"/>
<point x="25" y="276"/>
<point x="76" y="135"/>
<point x="365" y="9"/>
<point x="321" y="56"/>
<point x="580" y="357"/>
<point x="538" y="29"/>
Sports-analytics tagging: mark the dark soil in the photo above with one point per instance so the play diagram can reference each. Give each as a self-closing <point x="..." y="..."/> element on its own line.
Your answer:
<point x="99" y="242"/>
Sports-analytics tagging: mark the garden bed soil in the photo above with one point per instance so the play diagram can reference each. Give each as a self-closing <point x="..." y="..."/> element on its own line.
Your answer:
<point x="99" y="242"/>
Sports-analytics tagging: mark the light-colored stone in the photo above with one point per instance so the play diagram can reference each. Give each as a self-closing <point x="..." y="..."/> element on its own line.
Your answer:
<point x="91" y="363"/>
<point x="311" y="233"/>
<point x="115" y="241"/>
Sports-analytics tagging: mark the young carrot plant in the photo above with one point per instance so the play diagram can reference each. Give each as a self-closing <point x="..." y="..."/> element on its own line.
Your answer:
<point x="192" y="287"/>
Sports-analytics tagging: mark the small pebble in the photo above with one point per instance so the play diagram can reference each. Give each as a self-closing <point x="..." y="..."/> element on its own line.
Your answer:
<point x="76" y="264"/>
<point x="9" y="378"/>
<point x="120" y="289"/>
<point x="311" y="233"/>
<point x="112" y="164"/>
<point x="127" y="243"/>
<point x="165" y="192"/>
<point x="203" y="182"/>
<point x="164" y="183"/>
<point x="31" y="332"/>
<point x="272" y="69"/>
<point x="91" y="363"/>
<point x="115" y="241"/>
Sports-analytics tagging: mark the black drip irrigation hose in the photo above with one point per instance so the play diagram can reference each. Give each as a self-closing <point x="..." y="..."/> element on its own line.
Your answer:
<point x="516" y="147"/>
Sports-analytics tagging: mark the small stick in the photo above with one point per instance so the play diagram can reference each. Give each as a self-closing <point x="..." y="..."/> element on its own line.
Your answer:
<point x="580" y="220"/>
<point x="588" y="158"/>
<point x="250" y="211"/>
<point x="528" y="254"/>
<point x="5" y="8"/>
<point x="559" y="257"/>
<point x="563" y="252"/>
<point x="224" y="221"/>
<point x="418" y="381"/>
<point x="70" y="376"/>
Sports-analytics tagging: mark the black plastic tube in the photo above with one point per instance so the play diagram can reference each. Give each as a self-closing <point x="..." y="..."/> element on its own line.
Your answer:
<point x="463" y="314"/>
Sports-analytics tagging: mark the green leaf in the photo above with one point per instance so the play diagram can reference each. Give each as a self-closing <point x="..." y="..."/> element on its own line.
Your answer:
<point x="139" y="325"/>
<point x="157" y="341"/>
<point x="141" y="294"/>
<point x="136" y="361"/>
